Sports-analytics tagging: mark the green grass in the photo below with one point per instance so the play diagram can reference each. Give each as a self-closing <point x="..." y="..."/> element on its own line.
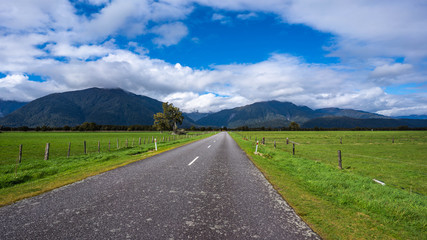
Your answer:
<point x="347" y="204"/>
<point x="35" y="175"/>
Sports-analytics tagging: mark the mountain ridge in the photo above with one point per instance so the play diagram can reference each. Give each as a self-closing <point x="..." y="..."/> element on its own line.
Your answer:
<point x="98" y="105"/>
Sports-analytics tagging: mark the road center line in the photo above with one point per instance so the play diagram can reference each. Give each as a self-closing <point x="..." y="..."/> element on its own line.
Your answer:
<point x="209" y="146"/>
<point x="193" y="161"/>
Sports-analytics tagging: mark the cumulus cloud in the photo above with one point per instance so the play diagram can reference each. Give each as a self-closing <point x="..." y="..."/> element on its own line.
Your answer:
<point x="169" y="34"/>
<point x="19" y="87"/>
<point x="391" y="70"/>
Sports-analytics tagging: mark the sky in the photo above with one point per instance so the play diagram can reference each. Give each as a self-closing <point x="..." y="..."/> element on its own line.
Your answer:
<point x="204" y="55"/>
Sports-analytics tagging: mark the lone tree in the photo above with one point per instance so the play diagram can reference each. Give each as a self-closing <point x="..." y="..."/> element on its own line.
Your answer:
<point x="293" y="126"/>
<point x="169" y="118"/>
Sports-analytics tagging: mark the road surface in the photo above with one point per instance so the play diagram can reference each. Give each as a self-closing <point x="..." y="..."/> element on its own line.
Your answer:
<point x="205" y="190"/>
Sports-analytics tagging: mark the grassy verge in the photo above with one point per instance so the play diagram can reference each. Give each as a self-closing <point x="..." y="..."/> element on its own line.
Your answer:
<point x="33" y="177"/>
<point x="340" y="204"/>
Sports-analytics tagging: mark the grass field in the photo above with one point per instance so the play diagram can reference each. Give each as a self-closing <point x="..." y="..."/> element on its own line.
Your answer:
<point x="35" y="175"/>
<point x="347" y="204"/>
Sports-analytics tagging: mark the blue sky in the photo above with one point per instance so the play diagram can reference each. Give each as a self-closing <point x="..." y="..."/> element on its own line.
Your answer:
<point x="212" y="55"/>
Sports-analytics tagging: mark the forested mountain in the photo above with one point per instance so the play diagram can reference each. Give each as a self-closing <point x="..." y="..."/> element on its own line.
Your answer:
<point x="7" y="107"/>
<point x="101" y="106"/>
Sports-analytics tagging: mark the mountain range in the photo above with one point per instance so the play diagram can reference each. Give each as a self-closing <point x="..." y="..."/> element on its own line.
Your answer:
<point x="119" y="107"/>
<point x="101" y="106"/>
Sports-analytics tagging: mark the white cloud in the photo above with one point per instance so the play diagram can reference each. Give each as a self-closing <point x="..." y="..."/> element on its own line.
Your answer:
<point x="82" y="52"/>
<point x="405" y="111"/>
<point x="20" y="88"/>
<point x="247" y="16"/>
<point x="169" y="34"/>
<point x="391" y="70"/>
<point x="221" y="18"/>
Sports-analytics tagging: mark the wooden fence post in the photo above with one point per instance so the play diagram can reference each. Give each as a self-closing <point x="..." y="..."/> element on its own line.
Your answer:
<point x="99" y="147"/>
<point x="46" y="152"/>
<point x="274" y="143"/>
<point x="139" y="140"/>
<point x="20" y="154"/>
<point x="18" y="161"/>
<point x="69" y="150"/>
<point x="117" y="143"/>
<point x="84" y="147"/>
<point x="287" y="141"/>
<point x="339" y="159"/>
<point x="109" y="145"/>
<point x="293" y="148"/>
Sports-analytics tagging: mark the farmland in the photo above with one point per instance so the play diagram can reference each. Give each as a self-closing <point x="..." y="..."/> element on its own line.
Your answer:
<point x="104" y="151"/>
<point x="347" y="203"/>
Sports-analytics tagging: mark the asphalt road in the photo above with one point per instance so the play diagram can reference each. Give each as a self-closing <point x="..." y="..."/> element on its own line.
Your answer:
<point x="205" y="190"/>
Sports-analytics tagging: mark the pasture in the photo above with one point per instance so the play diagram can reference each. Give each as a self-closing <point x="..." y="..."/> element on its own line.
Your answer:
<point x="398" y="158"/>
<point x="67" y="161"/>
<point x="346" y="203"/>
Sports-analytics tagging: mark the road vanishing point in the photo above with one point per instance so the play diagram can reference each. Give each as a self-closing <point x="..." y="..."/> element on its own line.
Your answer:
<point x="208" y="189"/>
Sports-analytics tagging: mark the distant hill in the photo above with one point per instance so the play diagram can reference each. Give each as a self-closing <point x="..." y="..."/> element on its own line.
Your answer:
<point x="196" y="115"/>
<point x="412" y="117"/>
<point x="267" y="114"/>
<point x="7" y="107"/>
<point x="102" y="106"/>
<point x="337" y="112"/>
<point x="347" y="122"/>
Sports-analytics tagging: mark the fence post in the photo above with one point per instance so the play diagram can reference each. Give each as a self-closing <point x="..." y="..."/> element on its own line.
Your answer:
<point x="339" y="159"/>
<point x="287" y="141"/>
<point x="274" y="143"/>
<point x="69" y="150"/>
<point x="20" y="153"/>
<point x="46" y="152"/>
<point x="256" y="148"/>
<point x="155" y="143"/>
<point x="293" y="148"/>
<point x="263" y="141"/>
<point x="117" y="143"/>
<point x="109" y="145"/>
<point x="99" y="147"/>
<point x="18" y="161"/>
<point x="139" y="140"/>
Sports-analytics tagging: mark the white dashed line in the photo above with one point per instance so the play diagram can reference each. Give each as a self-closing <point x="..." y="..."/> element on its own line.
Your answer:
<point x="209" y="146"/>
<point x="193" y="161"/>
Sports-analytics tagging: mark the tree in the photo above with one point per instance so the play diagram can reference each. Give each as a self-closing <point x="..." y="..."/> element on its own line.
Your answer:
<point x="293" y="126"/>
<point x="169" y="118"/>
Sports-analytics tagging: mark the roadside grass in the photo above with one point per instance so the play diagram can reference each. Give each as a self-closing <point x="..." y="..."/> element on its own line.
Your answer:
<point x="340" y="204"/>
<point x="35" y="175"/>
